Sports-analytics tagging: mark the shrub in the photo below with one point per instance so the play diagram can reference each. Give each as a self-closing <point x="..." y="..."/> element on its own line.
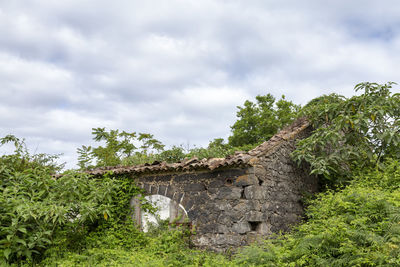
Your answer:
<point x="37" y="208"/>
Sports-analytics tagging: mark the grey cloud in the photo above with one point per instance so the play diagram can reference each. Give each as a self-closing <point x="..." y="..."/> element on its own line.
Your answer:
<point x="178" y="69"/>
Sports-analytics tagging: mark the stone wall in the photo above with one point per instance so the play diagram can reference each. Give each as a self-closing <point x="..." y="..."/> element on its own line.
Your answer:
<point x="234" y="206"/>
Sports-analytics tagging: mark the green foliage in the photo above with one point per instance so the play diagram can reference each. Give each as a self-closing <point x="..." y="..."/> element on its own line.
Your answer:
<point x="22" y="159"/>
<point x="155" y="254"/>
<point x="357" y="132"/>
<point x="386" y="176"/>
<point x="36" y="207"/>
<point x="175" y="154"/>
<point x="258" y="122"/>
<point x="118" y="146"/>
<point x="120" y="243"/>
<point x="217" y="149"/>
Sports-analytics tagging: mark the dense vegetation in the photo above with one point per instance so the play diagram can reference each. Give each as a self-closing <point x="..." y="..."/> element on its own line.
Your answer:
<point x="354" y="133"/>
<point x="75" y="219"/>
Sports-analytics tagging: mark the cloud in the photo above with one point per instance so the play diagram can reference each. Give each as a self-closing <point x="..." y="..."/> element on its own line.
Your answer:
<point x="178" y="69"/>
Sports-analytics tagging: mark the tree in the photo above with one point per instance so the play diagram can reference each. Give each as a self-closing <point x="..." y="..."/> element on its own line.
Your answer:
<point x="351" y="133"/>
<point x="257" y="122"/>
<point x="119" y="146"/>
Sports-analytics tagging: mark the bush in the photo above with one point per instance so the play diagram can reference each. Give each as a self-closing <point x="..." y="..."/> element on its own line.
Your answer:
<point x="38" y="209"/>
<point x="113" y="248"/>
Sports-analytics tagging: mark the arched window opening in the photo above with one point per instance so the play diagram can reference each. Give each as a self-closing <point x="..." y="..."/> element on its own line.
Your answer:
<point x="167" y="209"/>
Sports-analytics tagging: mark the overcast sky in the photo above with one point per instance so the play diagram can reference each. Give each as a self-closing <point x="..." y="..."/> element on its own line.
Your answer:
<point x="178" y="69"/>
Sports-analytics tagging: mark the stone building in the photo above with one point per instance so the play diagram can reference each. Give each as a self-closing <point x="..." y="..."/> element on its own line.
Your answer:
<point x="232" y="201"/>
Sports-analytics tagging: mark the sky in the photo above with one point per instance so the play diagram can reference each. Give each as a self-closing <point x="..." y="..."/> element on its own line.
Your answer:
<point x="178" y="69"/>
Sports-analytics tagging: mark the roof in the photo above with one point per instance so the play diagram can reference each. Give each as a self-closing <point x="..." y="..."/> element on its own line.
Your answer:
<point x="239" y="159"/>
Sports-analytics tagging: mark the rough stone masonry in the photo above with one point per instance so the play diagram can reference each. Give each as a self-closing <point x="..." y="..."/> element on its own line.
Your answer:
<point x="236" y="200"/>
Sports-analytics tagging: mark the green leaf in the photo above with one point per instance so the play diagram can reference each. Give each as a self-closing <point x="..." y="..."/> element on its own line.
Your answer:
<point x="22" y="230"/>
<point x="7" y="253"/>
<point x="21" y="241"/>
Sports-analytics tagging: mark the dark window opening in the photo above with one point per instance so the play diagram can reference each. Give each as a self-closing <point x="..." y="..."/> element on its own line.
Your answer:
<point x="254" y="226"/>
<point x="242" y="194"/>
<point x="229" y="181"/>
<point x="260" y="182"/>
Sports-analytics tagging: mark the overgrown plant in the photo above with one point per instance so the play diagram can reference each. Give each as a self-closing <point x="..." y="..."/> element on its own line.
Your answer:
<point x="21" y="159"/>
<point x="118" y="146"/>
<point x="351" y="133"/>
<point x="35" y="205"/>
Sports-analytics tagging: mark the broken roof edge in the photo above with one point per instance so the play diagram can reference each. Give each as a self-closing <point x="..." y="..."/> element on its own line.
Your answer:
<point x="286" y="134"/>
<point x="239" y="159"/>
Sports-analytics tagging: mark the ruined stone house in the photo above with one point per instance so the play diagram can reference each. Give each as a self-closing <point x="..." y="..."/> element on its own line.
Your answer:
<point x="235" y="200"/>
